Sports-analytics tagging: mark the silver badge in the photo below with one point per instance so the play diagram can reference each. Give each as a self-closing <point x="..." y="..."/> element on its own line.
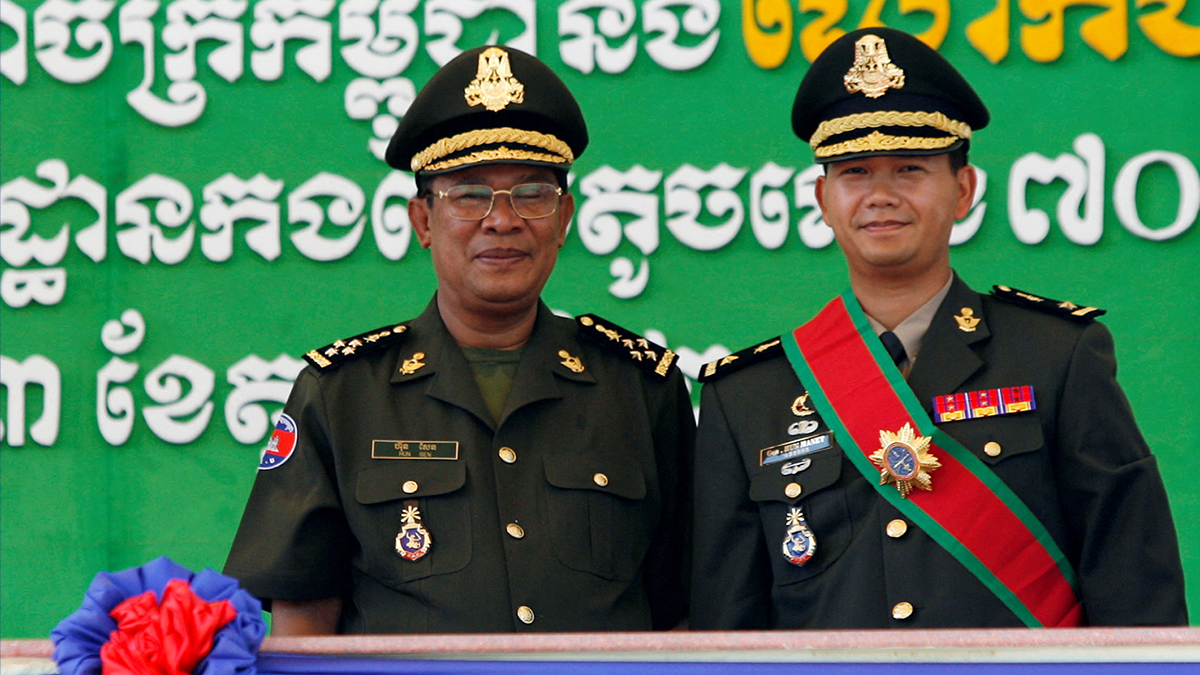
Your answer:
<point x="792" y="468"/>
<point x="804" y="427"/>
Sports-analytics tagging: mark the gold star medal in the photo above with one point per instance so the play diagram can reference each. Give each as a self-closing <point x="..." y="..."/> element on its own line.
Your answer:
<point x="904" y="459"/>
<point x="413" y="540"/>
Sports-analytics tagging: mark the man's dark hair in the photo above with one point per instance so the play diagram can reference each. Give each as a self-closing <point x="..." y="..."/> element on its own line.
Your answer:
<point x="425" y="180"/>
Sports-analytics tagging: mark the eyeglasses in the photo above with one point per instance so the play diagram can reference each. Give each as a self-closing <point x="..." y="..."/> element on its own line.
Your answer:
<point x="475" y="202"/>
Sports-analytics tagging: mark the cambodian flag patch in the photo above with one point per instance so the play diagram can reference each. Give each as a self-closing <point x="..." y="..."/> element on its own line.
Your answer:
<point x="281" y="445"/>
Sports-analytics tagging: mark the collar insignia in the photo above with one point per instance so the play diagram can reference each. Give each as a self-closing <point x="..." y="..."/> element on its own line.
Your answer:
<point x="494" y="86"/>
<point x="571" y="362"/>
<point x="967" y="320"/>
<point x="873" y="72"/>
<point x="904" y="459"/>
<point x="413" y="364"/>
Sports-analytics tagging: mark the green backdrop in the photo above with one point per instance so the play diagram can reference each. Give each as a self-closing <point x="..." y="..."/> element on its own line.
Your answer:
<point x="192" y="198"/>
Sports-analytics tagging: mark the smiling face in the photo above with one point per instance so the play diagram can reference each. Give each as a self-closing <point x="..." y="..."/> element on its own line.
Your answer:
<point x="892" y="216"/>
<point x="498" y="264"/>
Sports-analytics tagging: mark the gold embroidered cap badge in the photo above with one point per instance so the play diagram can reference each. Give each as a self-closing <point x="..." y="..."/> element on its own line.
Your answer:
<point x="873" y="72"/>
<point x="494" y="86"/>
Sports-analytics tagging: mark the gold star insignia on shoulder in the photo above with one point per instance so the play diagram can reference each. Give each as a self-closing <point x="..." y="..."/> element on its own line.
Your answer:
<point x="647" y="355"/>
<point x="1063" y="308"/>
<point x="904" y="459"/>
<point x="350" y="348"/>
<point x="738" y="360"/>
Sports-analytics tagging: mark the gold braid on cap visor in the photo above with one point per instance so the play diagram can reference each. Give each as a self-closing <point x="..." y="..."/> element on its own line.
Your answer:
<point x="561" y="151"/>
<point x="887" y="118"/>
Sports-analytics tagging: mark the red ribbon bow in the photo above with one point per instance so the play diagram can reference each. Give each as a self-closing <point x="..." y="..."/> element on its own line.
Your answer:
<point x="167" y="638"/>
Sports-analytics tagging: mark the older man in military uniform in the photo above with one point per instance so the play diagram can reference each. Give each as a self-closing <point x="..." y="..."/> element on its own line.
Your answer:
<point x="487" y="466"/>
<point x="919" y="454"/>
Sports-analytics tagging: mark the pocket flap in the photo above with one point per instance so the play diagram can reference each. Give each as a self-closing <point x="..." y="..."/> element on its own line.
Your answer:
<point x="409" y="479"/>
<point x="995" y="439"/>
<point x="620" y="477"/>
<point x="811" y="473"/>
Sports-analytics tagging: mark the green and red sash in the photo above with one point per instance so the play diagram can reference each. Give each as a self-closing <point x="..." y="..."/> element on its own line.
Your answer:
<point x="970" y="512"/>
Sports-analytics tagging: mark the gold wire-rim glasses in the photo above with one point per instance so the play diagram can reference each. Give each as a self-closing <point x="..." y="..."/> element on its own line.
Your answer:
<point x="528" y="200"/>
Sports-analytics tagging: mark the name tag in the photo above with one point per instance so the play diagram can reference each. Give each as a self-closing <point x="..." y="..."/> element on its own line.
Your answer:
<point x="414" y="449"/>
<point x="793" y="449"/>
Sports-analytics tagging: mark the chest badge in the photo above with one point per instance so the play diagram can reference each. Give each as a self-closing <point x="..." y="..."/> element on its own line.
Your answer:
<point x="800" y="406"/>
<point x="904" y="459"/>
<point x="413" y="540"/>
<point x="799" y="545"/>
<point x="803" y="427"/>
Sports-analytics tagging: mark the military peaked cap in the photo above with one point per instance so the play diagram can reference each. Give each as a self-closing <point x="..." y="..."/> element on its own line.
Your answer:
<point x="880" y="91"/>
<point x="489" y="105"/>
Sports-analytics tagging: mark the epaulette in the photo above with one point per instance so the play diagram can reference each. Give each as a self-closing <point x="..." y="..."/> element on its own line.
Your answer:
<point x="652" y="358"/>
<point x="1064" y="308"/>
<point x="350" y="348"/>
<point x="738" y="360"/>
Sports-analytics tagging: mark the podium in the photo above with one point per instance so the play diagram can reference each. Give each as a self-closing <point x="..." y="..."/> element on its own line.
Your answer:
<point x="1075" y="651"/>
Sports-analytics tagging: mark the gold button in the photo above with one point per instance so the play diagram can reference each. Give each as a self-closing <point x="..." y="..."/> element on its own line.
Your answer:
<point x="508" y="455"/>
<point x="515" y="531"/>
<point x="793" y="490"/>
<point x="902" y="611"/>
<point x="992" y="449"/>
<point x="600" y="479"/>
<point x="897" y="528"/>
<point x="525" y="614"/>
<point x="410" y="486"/>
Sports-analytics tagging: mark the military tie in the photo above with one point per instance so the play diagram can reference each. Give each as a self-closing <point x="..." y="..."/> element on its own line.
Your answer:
<point x="894" y="347"/>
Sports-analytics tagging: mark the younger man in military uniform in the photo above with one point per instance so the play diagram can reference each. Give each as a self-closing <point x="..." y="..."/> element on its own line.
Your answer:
<point x="918" y="454"/>
<point x="487" y="466"/>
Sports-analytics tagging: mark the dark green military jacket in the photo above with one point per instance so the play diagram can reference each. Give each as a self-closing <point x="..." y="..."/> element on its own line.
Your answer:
<point x="1078" y="462"/>
<point x="569" y="515"/>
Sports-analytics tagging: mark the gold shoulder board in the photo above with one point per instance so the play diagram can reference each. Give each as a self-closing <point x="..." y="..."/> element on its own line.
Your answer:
<point x="1063" y="308"/>
<point x="348" y="348"/>
<point x="738" y="360"/>
<point x="650" y="357"/>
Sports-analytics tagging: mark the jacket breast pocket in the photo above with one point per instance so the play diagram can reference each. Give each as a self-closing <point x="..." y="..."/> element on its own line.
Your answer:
<point x="382" y="489"/>
<point x="1000" y="439"/>
<point x="600" y="519"/>
<point x="1014" y="448"/>
<point x="805" y="493"/>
